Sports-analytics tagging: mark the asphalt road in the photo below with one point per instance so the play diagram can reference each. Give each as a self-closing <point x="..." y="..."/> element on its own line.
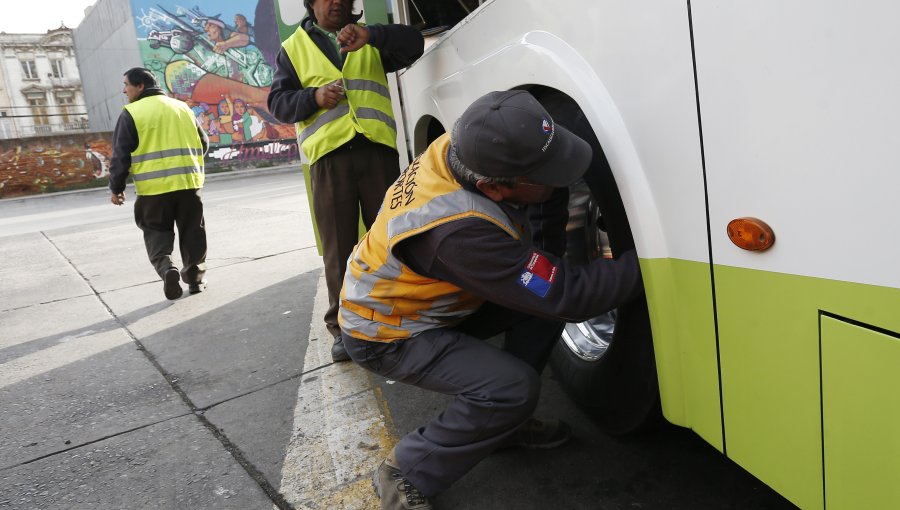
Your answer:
<point x="114" y="397"/>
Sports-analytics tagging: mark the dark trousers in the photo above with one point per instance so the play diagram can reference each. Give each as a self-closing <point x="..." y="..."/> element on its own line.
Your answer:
<point x="351" y="178"/>
<point x="158" y="215"/>
<point x="495" y="390"/>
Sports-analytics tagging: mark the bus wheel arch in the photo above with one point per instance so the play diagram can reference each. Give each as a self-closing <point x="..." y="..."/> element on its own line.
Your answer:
<point x="427" y="130"/>
<point x="606" y="366"/>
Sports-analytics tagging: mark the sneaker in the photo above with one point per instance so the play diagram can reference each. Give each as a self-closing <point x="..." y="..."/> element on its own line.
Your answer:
<point x="541" y="434"/>
<point x="395" y="491"/>
<point x="171" y="285"/>
<point x="338" y="352"/>
<point x="196" y="288"/>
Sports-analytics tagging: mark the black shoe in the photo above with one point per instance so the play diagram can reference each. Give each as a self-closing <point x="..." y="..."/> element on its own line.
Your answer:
<point x="540" y="434"/>
<point x="395" y="491"/>
<point x="171" y="285"/>
<point x="196" y="288"/>
<point x="338" y="352"/>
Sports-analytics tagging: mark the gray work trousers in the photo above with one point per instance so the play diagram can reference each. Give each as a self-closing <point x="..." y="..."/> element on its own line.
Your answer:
<point x="495" y="390"/>
<point x="158" y="215"/>
<point x="347" y="180"/>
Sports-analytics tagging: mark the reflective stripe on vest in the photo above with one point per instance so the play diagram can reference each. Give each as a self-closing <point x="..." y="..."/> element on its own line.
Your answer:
<point x="366" y="109"/>
<point x="169" y="156"/>
<point x="382" y="299"/>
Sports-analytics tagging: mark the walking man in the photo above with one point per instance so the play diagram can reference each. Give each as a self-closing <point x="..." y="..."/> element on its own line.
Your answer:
<point x="330" y="80"/>
<point x="158" y="140"/>
<point x="449" y="262"/>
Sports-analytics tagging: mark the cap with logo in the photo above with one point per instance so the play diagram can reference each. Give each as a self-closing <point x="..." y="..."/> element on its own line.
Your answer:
<point x="509" y="134"/>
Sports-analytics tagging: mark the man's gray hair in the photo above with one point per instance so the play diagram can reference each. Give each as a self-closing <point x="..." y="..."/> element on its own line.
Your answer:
<point x="467" y="174"/>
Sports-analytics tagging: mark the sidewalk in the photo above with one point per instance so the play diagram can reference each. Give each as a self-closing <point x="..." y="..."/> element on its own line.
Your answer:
<point x="114" y="397"/>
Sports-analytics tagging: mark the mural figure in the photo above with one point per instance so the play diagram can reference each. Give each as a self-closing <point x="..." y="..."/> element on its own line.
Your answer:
<point x="239" y="38"/>
<point x="99" y="161"/>
<point x="201" y="59"/>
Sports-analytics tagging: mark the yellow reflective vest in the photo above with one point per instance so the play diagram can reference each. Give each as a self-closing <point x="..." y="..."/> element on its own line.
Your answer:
<point x="384" y="300"/>
<point x="169" y="156"/>
<point x="366" y="108"/>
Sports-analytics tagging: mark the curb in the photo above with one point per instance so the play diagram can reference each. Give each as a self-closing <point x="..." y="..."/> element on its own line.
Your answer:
<point x="218" y="176"/>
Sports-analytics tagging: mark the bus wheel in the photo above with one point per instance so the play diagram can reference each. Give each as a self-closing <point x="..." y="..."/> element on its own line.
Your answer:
<point x="606" y="365"/>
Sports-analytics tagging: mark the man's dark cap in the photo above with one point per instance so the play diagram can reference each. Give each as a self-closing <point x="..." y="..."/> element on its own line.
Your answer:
<point x="509" y="134"/>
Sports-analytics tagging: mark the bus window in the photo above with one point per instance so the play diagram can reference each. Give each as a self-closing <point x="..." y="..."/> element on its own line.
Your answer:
<point x="435" y="16"/>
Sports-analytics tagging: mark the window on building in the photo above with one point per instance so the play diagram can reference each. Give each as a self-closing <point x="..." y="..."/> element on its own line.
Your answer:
<point x="29" y="70"/>
<point x="65" y="100"/>
<point x="38" y="109"/>
<point x="57" y="67"/>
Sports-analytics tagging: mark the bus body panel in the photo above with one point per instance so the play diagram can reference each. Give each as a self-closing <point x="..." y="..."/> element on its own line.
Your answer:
<point x="800" y="119"/>
<point x="861" y="446"/>
<point x="799" y="113"/>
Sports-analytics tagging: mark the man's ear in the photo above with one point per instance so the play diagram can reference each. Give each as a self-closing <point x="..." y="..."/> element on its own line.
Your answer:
<point x="490" y="190"/>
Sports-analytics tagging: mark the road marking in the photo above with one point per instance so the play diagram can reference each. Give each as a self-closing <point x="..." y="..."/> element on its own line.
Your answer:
<point x="340" y="433"/>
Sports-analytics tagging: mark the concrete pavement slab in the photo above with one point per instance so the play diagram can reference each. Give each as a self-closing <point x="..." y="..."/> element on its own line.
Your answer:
<point x="109" y="255"/>
<point x="174" y="464"/>
<point x="246" y="331"/>
<point x="340" y="432"/>
<point x="113" y="256"/>
<point x="78" y="379"/>
<point x="235" y="234"/>
<point x="40" y="273"/>
<point x="259" y="425"/>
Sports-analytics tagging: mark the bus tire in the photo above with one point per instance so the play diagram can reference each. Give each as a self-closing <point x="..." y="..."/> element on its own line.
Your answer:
<point x="619" y="391"/>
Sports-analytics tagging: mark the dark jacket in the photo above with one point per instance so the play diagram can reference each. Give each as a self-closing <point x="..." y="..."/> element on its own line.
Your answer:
<point x="455" y="252"/>
<point x="125" y="141"/>
<point x="289" y="101"/>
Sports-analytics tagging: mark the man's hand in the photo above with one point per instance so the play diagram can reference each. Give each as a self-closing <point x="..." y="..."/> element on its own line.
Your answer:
<point x="352" y="37"/>
<point x="328" y="96"/>
<point x="117" y="198"/>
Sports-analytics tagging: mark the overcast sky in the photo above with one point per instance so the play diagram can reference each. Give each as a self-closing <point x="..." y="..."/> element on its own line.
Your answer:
<point x="38" y="16"/>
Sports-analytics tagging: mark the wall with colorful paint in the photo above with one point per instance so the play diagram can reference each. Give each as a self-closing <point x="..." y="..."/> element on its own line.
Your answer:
<point x="218" y="57"/>
<point x="39" y="165"/>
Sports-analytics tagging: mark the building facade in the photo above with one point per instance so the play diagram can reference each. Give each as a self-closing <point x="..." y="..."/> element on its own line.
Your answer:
<point x="41" y="89"/>
<point x="106" y="45"/>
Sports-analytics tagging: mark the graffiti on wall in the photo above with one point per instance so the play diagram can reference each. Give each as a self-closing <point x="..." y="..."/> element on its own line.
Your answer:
<point x="38" y="165"/>
<point x="218" y="57"/>
<point x="274" y="152"/>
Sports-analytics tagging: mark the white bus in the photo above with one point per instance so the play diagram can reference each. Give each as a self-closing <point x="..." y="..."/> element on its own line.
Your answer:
<point x="776" y="337"/>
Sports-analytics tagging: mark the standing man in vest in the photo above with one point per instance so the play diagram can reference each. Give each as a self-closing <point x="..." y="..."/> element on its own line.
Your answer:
<point x="160" y="142"/>
<point x="330" y="80"/>
<point x="449" y="262"/>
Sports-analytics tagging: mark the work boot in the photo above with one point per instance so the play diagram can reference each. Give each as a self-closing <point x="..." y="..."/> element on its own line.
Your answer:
<point x="395" y="491"/>
<point x="171" y="285"/>
<point x="338" y="352"/>
<point x="540" y="434"/>
<point x="196" y="288"/>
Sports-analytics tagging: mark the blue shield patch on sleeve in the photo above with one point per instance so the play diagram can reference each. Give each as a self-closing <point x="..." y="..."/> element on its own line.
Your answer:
<point x="534" y="283"/>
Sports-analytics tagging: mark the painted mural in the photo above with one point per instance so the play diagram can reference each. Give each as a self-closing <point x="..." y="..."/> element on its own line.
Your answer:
<point x="38" y="165"/>
<point x="218" y="57"/>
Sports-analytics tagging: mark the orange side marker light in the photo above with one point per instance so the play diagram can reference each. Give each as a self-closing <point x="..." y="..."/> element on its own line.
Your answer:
<point x="751" y="234"/>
